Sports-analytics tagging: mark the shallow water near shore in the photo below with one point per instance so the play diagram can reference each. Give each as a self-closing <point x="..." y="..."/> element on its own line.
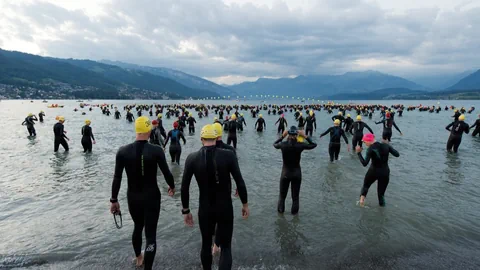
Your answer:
<point x="54" y="208"/>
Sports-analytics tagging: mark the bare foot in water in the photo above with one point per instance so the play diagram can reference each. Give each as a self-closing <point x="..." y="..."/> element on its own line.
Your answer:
<point x="139" y="260"/>
<point x="215" y="250"/>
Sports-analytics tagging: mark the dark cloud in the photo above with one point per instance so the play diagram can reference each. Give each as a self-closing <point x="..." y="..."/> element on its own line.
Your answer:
<point x="211" y="39"/>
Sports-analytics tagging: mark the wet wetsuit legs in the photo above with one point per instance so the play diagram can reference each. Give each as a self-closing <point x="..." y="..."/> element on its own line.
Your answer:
<point x="57" y="143"/>
<point x="383" y="177"/>
<point x="31" y="131"/>
<point x="453" y="142"/>
<point x="309" y="131"/>
<point x="334" y="151"/>
<point x="175" y="153"/>
<point x="295" y="179"/>
<point x="356" y="140"/>
<point x="145" y="215"/>
<point x="476" y="131"/>
<point x="387" y="136"/>
<point x="232" y="139"/>
<point x="87" y="145"/>
<point x="224" y="232"/>
<point x="281" y="129"/>
<point x="191" y="129"/>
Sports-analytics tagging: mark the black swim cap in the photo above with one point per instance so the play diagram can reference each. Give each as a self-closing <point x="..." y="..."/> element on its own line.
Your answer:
<point x="293" y="130"/>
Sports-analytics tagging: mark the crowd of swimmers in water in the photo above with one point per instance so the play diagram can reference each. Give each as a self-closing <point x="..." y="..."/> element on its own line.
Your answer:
<point x="216" y="162"/>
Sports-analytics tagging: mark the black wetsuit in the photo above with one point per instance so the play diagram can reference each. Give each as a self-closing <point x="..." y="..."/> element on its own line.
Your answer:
<point x="357" y="131"/>
<point x="191" y="125"/>
<point x="311" y="123"/>
<point x="175" y="147"/>
<point x="232" y="133"/>
<point x="29" y="122"/>
<point x="339" y="117"/>
<point x="241" y="121"/>
<point x="156" y="136"/>
<point x="282" y="124"/>
<point x="291" y="171"/>
<point x="130" y="117"/>
<point x="59" y="137"/>
<point x="456" y="116"/>
<point x="260" y="124"/>
<point x="457" y="129"/>
<point x="336" y="133"/>
<point x="162" y="129"/>
<point x="140" y="160"/>
<point x="117" y="115"/>
<point x="348" y="124"/>
<point x="477" y="129"/>
<point x="87" y="137"/>
<point x="387" y="128"/>
<point x="379" y="170"/>
<point x="40" y="117"/>
<point x="212" y="168"/>
<point x="301" y="122"/>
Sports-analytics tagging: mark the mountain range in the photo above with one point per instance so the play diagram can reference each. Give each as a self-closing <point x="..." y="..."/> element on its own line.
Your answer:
<point x="30" y="76"/>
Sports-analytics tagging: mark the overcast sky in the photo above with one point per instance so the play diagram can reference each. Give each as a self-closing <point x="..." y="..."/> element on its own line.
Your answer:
<point x="231" y="41"/>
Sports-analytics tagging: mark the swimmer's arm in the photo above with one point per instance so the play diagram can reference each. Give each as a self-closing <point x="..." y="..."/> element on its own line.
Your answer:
<point x="168" y="138"/>
<point x="277" y="121"/>
<point x="393" y="151"/>
<point x="183" y="137"/>
<point x="162" y="164"/>
<point x="381" y="122"/>
<point x="395" y="125"/>
<point x="369" y="129"/>
<point x="467" y="129"/>
<point x="187" y="178"/>
<point x="237" y="176"/>
<point x="367" y="159"/>
<point x="310" y="145"/>
<point x="91" y="134"/>
<point x="344" y="137"/>
<point x="326" y="132"/>
<point x="117" y="176"/>
<point x="449" y="126"/>
<point x="278" y="143"/>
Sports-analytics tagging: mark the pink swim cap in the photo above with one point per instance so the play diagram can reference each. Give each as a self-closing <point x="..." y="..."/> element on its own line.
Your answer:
<point x="369" y="137"/>
<point x="283" y="115"/>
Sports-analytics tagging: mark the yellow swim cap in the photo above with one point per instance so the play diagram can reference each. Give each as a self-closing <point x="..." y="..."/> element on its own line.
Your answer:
<point x="340" y="113"/>
<point x="41" y="111"/>
<point x="241" y="114"/>
<point x="61" y="118"/>
<point x="159" y="115"/>
<point x="218" y="128"/>
<point x="311" y="113"/>
<point x="208" y="132"/>
<point x="337" y="122"/>
<point x="215" y="119"/>
<point x="87" y="122"/>
<point x="260" y="115"/>
<point x="461" y="117"/>
<point x="143" y="125"/>
<point x="455" y="110"/>
<point x="234" y="116"/>
<point x="30" y="114"/>
<point x="300" y="139"/>
<point x="348" y="115"/>
<point x="359" y="117"/>
<point x="190" y="115"/>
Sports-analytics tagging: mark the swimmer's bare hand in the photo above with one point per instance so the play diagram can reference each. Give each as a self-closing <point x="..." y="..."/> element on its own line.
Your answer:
<point x="245" y="211"/>
<point x="94" y="142"/>
<point x="188" y="219"/>
<point x="401" y="134"/>
<point x="114" y="208"/>
<point x="348" y="147"/>
<point x="171" y="192"/>
<point x="358" y="149"/>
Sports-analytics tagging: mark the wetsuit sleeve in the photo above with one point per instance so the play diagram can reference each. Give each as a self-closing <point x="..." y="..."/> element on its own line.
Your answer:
<point x="366" y="160"/>
<point x="187" y="178"/>
<point x="256" y="123"/>
<point x="449" y="126"/>
<point x="369" y="129"/>
<point x="237" y="176"/>
<point x="474" y="124"/>
<point x="117" y="176"/>
<point x="344" y="136"/>
<point x="326" y="132"/>
<point x="83" y="132"/>
<point x="315" y="123"/>
<point x="62" y="132"/>
<point x="277" y="121"/>
<point x="24" y="122"/>
<point x="168" y="138"/>
<point x="395" y="125"/>
<point x="467" y="129"/>
<point x="91" y="134"/>
<point x="381" y="122"/>
<point x="393" y="151"/>
<point x="278" y="143"/>
<point x="162" y="164"/>
<point x="333" y="118"/>
<point x="310" y="144"/>
<point x="183" y="137"/>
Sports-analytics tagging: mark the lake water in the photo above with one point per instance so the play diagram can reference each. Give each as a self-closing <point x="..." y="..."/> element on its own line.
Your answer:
<point x="54" y="208"/>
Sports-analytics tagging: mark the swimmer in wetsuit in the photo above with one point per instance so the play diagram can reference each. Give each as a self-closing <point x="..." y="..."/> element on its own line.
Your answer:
<point x="156" y="134"/>
<point x="117" y="114"/>
<point x="388" y="122"/>
<point x="212" y="168"/>
<point x="456" y="129"/>
<point x="191" y="124"/>
<point x="311" y="123"/>
<point x="129" y="116"/>
<point x="260" y="124"/>
<point x="456" y="115"/>
<point x="477" y="125"/>
<point x="87" y="137"/>
<point x="339" y="117"/>
<point x="336" y="132"/>
<point x="291" y="170"/>
<point x="30" y="122"/>
<point x="160" y="126"/>
<point x="301" y="121"/>
<point x="40" y="116"/>
<point x="357" y="132"/>
<point x="241" y="121"/>
<point x="232" y="131"/>
<point x="282" y="124"/>
<point x="379" y="170"/>
<point x="60" y="137"/>
<point x="140" y="160"/>
<point x="348" y="124"/>
<point x="175" y="147"/>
